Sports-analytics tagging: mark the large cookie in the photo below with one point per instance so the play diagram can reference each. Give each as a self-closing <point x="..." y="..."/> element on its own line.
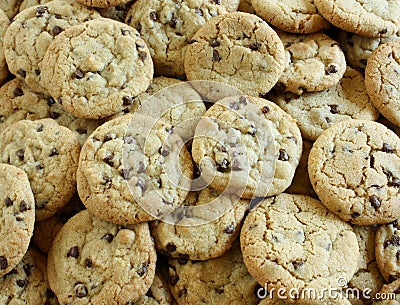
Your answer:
<point x="367" y="18"/>
<point x="233" y="147"/>
<point x="317" y="111"/>
<point x="314" y="62"/>
<point x="297" y="16"/>
<point x="95" y="262"/>
<point x="168" y="26"/>
<point x="17" y="210"/>
<point x="289" y="241"/>
<point x="49" y="154"/>
<point x="133" y="171"/>
<point x="382" y="80"/>
<point x="354" y="168"/>
<point x="110" y="65"/>
<point x="31" y="32"/>
<point x="238" y="49"/>
<point x="4" y="23"/>
<point x="221" y="281"/>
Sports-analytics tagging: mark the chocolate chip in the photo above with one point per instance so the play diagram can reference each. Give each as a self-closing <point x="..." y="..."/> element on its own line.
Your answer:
<point x="28" y="269"/>
<point x="395" y="182"/>
<point x="172" y="22"/>
<point x="333" y="109"/>
<point x="355" y="215"/>
<point x="127" y="100"/>
<point x="265" y="109"/>
<point x="24" y="206"/>
<point x="21" y="283"/>
<point x="283" y="155"/>
<point x="138" y="27"/>
<point x="40" y="128"/>
<point x="383" y="31"/>
<point x="182" y="261"/>
<point x="142" y="56"/>
<point x="18" y="217"/>
<point x="172" y="280"/>
<point x="297" y="264"/>
<point x="331" y="69"/>
<point x="198" y="11"/>
<point x="254" y="202"/>
<point x="165" y="151"/>
<point x="88" y="262"/>
<point x="219" y="291"/>
<point x="81" y="131"/>
<point x="59" y="100"/>
<point x="392" y="278"/>
<point x="170" y="247"/>
<point x="37" y="72"/>
<point x="229" y="229"/>
<point x="243" y="100"/>
<point x="50" y="101"/>
<point x="108" y="137"/>
<point x="183" y="291"/>
<point x="236" y="165"/>
<point x="143" y="269"/>
<point x="54" y="115"/>
<point x="387" y="148"/>
<point x="39" y="166"/>
<point x="255" y="45"/>
<point x="140" y="183"/>
<point x="8" y="202"/>
<point x="153" y="16"/>
<point x="3" y="263"/>
<point x="375" y="202"/>
<point x="215" y="43"/>
<point x="22" y="73"/>
<point x="18" y="92"/>
<point x="217" y="1"/>
<point x="216" y="57"/>
<point x="40" y="10"/>
<point x="20" y="154"/>
<point x="57" y="30"/>
<point x="223" y="166"/>
<point x="73" y="252"/>
<point x="126" y="173"/>
<point x="53" y="152"/>
<point x="81" y="291"/>
<point x="108" y="160"/>
<point x="125" y="32"/>
<point x="141" y="168"/>
<point x="234" y="106"/>
<point x="78" y="74"/>
<point x="252" y="130"/>
<point x="108" y="237"/>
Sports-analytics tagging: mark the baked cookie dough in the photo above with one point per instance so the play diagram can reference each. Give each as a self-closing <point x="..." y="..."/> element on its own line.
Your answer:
<point x="4" y="23"/>
<point x="354" y="168"/>
<point x="95" y="262"/>
<point x="290" y="240"/>
<point x="17" y="216"/>
<point x="10" y="7"/>
<point x="118" y="12"/>
<point x="102" y="3"/>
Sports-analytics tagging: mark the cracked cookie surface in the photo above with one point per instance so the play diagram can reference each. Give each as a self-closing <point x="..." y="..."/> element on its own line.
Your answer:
<point x="17" y="211"/>
<point x="49" y="154"/>
<point x="314" y="62"/>
<point x="168" y="26"/>
<point x="382" y="80"/>
<point x="109" y="65"/>
<point x="366" y="18"/>
<point x="296" y="16"/>
<point x="293" y="241"/>
<point x="4" y="23"/>
<point x="354" y="167"/>
<point x="95" y="262"/>
<point x="248" y="144"/>
<point x="317" y="111"/>
<point x="238" y="49"/>
<point x="132" y="172"/>
<point x="30" y="34"/>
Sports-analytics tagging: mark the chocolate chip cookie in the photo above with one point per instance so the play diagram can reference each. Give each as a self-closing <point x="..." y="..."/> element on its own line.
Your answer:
<point x="354" y="168"/>
<point x="17" y="208"/>
<point x="4" y="23"/>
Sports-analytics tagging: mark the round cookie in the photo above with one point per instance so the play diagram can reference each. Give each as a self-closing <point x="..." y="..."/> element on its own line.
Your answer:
<point x="297" y="16"/>
<point x="317" y="111"/>
<point x="17" y="216"/>
<point x="314" y="62"/>
<point x="49" y="154"/>
<point x="10" y="7"/>
<point x="366" y="18"/>
<point x="172" y="100"/>
<point x="95" y="262"/>
<point x="31" y="32"/>
<point x="118" y="12"/>
<point x="168" y="26"/>
<point x="103" y="3"/>
<point x="289" y="240"/>
<point x="196" y="240"/>
<point x="110" y="65"/>
<point x="46" y="230"/>
<point x="382" y="80"/>
<point x="354" y="167"/>
<point x="238" y="49"/>
<point x="220" y="281"/>
<point x="232" y="146"/>
<point x="18" y="102"/>
<point x="389" y="294"/>
<point x="4" y="23"/>
<point x="132" y="171"/>
<point x="27" y="283"/>
<point x="358" y="49"/>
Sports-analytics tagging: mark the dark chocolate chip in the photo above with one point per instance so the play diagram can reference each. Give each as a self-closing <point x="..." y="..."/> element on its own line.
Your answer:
<point x="81" y="131"/>
<point x="331" y="70"/>
<point x="383" y="31"/>
<point x="81" y="291"/>
<point x="183" y="291"/>
<point x="252" y="130"/>
<point x="88" y="262"/>
<point x="219" y="291"/>
<point x="54" y="115"/>
<point x="223" y="166"/>
<point x="3" y="263"/>
<point x="215" y="43"/>
<point x="22" y="73"/>
<point x="50" y="101"/>
<point x="375" y="202"/>
<point x="108" y="159"/>
<point x="191" y="41"/>
<point x="53" y="152"/>
<point x="172" y="23"/>
<point x="108" y="137"/>
<point x="73" y="252"/>
<point x="233" y="105"/>
<point x="20" y="154"/>
<point x="39" y="166"/>
<point x="283" y="155"/>
<point x="59" y="100"/>
<point x="265" y="109"/>
<point x="229" y="229"/>
<point x="57" y="30"/>
<point x="28" y="269"/>
<point x="40" y="128"/>
<point x="21" y="283"/>
<point x="140" y="183"/>
<point x="143" y="269"/>
<point x="142" y="56"/>
<point x="236" y="165"/>
<point x="170" y="247"/>
<point x="243" y="100"/>
<point x="108" y="237"/>
<point x="395" y="182"/>
<point x="78" y="74"/>
<point x="297" y="264"/>
<point x="126" y="173"/>
<point x="165" y="151"/>
<point x="8" y="202"/>
<point x="215" y="56"/>
<point x="18" y="92"/>
<point x="153" y="16"/>
<point x="333" y="109"/>
<point x="127" y="100"/>
<point x="182" y="261"/>
<point x="217" y="1"/>
<point x="37" y="72"/>
<point x="24" y="206"/>
<point x="18" y="217"/>
<point x="172" y="280"/>
<point x="40" y="10"/>
<point x="198" y="11"/>
<point x="387" y="148"/>
<point x="255" y="45"/>
<point x="141" y="167"/>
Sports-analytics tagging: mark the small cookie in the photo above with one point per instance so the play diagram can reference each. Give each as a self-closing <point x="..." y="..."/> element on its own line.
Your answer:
<point x="232" y="146"/>
<point x="195" y="239"/>
<point x="221" y="281"/>
<point x="27" y="283"/>
<point x="389" y="294"/>
<point x="168" y="26"/>
<point x="4" y="23"/>
<point x="289" y="240"/>
<point x="10" y="7"/>
<point x="238" y="49"/>
<point x="110" y="65"/>
<point x="173" y="101"/>
<point x="317" y="111"/>
<point x="118" y="12"/>
<point x="366" y="18"/>
<point x="314" y="62"/>
<point x="102" y="3"/>
<point x="46" y="230"/>
<point x="49" y="154"/>
<point x="354" y="167"/>
<point x="132" y="171"/>
<point x="17" y="207"/>
<point x="95" y="262"/>
<point x="358" y="49"/>
<point x="297" y="16"/>
<point x="31" y="32"/>
<point x="382" y="80"/>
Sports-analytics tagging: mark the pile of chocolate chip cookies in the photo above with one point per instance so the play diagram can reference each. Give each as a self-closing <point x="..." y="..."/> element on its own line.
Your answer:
<point x="199" y="152"/>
